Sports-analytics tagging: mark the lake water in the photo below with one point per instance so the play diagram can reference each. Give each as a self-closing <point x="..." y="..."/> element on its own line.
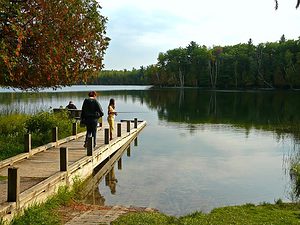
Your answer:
<point x="200" y="149"/>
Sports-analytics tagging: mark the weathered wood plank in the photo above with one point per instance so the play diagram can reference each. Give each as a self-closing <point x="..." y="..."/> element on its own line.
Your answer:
<point x="43" y="165"/>
<point x="10" y="161"/>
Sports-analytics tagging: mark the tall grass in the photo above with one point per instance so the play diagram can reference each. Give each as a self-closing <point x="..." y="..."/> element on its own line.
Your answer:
<point x="46" y="213"/>
<point x="13" y="128"/>
<point x="249" y="214"/>
<point x="12" y="131"/>
<point x="40" y="126"/>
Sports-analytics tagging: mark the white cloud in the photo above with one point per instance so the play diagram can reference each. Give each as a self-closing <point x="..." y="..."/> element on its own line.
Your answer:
<point x="142" y="29"/>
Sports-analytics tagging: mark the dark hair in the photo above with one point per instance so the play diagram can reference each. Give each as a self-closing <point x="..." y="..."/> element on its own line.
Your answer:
<point x="111" y="101"/>
<point x="92" y="94"/>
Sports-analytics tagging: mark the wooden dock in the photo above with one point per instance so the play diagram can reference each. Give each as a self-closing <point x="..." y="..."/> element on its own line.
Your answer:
<point x="37" y="174"/>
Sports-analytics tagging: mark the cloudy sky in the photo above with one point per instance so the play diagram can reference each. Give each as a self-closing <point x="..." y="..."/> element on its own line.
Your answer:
<point x="140" y="29"/>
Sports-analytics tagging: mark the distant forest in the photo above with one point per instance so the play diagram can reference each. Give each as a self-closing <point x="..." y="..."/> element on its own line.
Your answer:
<point x="266" y="65"/>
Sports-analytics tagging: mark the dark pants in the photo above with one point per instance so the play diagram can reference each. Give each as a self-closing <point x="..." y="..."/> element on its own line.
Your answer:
<point x="91" y="129"/>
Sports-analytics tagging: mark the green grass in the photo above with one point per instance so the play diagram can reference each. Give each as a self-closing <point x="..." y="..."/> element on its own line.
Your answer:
<point x="249" y="214"/>
<point x="146" y="218"/>
<point x="47" y="213"/>
<point x="44" y="214"/>
<point x="13" y="128"/>
<point x="3" y="178"/>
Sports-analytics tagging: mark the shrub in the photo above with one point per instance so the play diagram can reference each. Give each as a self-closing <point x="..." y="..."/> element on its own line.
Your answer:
<point x="14" y="127"/>
<point x="41" y="124"/>
<point x="12" y="131"/>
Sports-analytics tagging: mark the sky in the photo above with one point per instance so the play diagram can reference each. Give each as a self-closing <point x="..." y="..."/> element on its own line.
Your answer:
<point x="141" y="29"/>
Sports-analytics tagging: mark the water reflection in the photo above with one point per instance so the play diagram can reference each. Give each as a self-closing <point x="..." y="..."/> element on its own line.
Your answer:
<point x="196" y="106"/>
<point x="32" y="102"/>
<point x="111" y="181"/>
<point x="187" y="106"/>
<point x="200" y="149"/>
<point x="106" y="170"/>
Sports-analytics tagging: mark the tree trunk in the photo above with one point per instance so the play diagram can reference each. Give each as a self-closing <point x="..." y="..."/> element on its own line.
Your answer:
<point x="181" y="78"/>
<point x="260" y="75"/>
<point x="235" y="73"/>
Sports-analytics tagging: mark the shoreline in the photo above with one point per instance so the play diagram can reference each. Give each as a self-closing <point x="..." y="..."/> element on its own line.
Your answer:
<point x="81" y="213"/>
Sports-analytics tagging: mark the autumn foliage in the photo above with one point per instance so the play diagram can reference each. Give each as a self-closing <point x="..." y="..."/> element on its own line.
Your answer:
<point x="50" y="43"/>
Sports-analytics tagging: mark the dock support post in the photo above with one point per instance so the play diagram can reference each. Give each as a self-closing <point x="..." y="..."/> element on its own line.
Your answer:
<point x="13" y="189"/>
<point x="128" y="151"/>
<point x="74" y="129"/>
<point x="107" y="179"/>
<point x="90" y="146"/>
<point x="119" y="129"/>
<point x="135" y="122"/>
<point x="54" y="134"/>
<point x="128" y="126"/>
<point x="120" y="164"/>
<point x="136" y="142"/>
<point x="106" y="136"/>
<point x="64" y="159"/>
<point x="27" y="143"/>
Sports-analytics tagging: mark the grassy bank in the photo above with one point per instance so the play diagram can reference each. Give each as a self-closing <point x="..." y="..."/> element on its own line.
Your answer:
<point x="249" y="214"/>
<point x="13" y="127"/>
<point x="49" y="213"/>
<point x="45" y="213"/>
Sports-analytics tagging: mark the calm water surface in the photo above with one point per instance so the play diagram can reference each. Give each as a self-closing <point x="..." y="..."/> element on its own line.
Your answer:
<point x="200" y="149"/>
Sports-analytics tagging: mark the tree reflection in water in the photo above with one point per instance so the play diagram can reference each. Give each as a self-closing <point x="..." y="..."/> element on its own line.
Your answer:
<point x="193" y="110"/>
<point x="91" y="193"/>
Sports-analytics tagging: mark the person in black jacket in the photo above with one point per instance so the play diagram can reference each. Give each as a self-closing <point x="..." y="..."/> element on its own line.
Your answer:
<point x="90" y="113"/>
<point x="71" y="105"/>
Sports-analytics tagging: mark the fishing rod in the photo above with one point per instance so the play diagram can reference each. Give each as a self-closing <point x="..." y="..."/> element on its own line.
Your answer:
<point x="130" y="112"/>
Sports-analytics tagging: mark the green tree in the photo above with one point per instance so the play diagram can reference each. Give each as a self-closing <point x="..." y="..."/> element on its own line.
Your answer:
<point x="50" y="43"/>
<point x="196" y="73"/>
<point x="214" y="64"/>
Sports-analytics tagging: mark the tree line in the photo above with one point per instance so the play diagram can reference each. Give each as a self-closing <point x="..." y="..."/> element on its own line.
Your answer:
<point x="245" y="65"/>
<point x="126" y="77"/>
<point x="58" y="43"/>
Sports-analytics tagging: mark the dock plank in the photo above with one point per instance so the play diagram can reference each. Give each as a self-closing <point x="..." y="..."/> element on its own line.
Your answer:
<point x="37" y="170"/>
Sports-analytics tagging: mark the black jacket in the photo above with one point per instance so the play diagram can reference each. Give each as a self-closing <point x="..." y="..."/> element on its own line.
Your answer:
<point x="91" y="109"/>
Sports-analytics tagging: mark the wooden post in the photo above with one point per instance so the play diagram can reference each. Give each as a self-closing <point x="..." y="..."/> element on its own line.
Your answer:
<point x="74" y="128"/>
<point x="135" y="122"/>
<point x="106" y="136"/>
<point x="54" y="134"/>
<point x="128" y="151"/>
<point x="13" y="188"/>
<point x="119" y="126"/>
<point x="120" y="164"/>
<point x="64" y="159"/>
<point x="128" y="126"/>
<point x="90" y="146"/>
<point x="107" y="179"/>
<point x="27" y="143"/>
<point x="136" y="142"/>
